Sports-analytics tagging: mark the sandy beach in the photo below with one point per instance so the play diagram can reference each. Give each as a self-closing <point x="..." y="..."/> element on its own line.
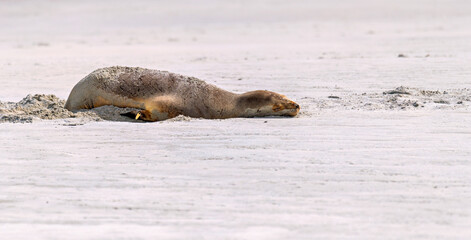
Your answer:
<point x="380" y="149"/>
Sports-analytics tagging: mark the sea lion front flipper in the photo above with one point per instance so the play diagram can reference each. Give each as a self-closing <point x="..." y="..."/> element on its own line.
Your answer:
<point x="131" y="114"/>
<point x="144" y="115"/>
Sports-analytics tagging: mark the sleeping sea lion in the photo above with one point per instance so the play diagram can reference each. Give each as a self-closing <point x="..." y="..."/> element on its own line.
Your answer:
<point x="162" y="95"/>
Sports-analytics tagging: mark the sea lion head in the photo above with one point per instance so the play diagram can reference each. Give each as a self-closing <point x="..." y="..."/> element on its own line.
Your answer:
<point x="265" y="103"/>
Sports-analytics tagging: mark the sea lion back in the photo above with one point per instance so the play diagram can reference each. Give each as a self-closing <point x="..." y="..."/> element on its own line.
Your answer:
<point x="132" y="83"/>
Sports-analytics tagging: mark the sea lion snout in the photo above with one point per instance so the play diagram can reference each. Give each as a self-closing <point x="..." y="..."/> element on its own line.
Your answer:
<point x="292" y="105"/>
<point x="286" y="108"/>
<point x="294" y="108"/>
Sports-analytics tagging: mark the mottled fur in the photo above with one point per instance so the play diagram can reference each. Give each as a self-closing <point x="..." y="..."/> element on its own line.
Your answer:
<point x="162" y="95"/>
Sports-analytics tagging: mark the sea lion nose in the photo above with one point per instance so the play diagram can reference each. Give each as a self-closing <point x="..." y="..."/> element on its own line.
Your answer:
<point x="296" y="106"/>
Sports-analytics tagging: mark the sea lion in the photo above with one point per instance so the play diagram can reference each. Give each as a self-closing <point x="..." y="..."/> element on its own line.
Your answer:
<point x="162" y="95"/>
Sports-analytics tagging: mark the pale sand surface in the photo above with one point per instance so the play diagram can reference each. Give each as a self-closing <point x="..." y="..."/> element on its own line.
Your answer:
<point x="366" y="165"/>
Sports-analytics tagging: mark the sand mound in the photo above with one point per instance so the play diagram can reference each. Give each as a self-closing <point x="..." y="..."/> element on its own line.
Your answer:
<point x="38" y="106"/>
<point x="49" y="107"/>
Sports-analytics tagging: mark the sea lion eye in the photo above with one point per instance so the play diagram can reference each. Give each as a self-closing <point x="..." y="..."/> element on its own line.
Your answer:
<point x="277" y="107"/>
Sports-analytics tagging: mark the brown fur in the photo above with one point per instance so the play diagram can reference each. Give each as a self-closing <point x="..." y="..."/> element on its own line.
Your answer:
<point x="166" y="95"/>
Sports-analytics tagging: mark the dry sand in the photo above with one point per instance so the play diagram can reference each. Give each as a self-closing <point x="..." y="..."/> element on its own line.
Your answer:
<point x="365" y="159"/>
